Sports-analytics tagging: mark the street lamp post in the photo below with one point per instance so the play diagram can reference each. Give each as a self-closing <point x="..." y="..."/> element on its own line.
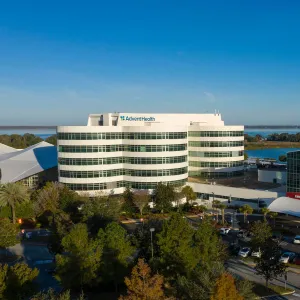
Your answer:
<point x="151" y="231"/>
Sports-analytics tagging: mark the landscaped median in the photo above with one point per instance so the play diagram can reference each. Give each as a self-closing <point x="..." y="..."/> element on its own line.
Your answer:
<point x="251" y="263"/>
<point x="273" y="290"/>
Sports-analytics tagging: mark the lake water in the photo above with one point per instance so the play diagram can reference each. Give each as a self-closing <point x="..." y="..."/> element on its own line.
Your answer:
<point x="269" y="153"/>
<point x="266" y="132"/>
<point x="42" y="133"/>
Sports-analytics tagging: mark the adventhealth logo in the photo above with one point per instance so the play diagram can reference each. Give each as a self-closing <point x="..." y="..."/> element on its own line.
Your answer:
<point x="145" y="119"/>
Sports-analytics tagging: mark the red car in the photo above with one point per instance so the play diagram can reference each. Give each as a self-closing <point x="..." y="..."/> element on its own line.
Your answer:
<point x="296" y="260"/>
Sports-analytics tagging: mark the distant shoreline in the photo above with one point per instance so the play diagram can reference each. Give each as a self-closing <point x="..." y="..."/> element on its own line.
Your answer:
<point x="27" y="127"/>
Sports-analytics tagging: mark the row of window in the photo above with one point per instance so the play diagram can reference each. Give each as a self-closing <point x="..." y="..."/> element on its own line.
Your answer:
<point x="122" y="159"/>
<point x="206" y="164"/>
<point x="119" y="172"/>
<point x="216" y="144"/>
<point x="118" y="184"/>
<point x="121" y="135"/>
<point x="215" y="133"/>
<point x="128" y="148"/>
<point x="215" y="175"/>
<point x="216" y="154"/>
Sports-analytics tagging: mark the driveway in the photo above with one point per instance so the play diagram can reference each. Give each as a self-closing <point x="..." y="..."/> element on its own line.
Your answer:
<point x="38" y="256"/>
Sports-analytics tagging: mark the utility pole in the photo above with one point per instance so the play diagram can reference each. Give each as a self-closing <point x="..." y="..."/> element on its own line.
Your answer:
<point x="151" y="231"/>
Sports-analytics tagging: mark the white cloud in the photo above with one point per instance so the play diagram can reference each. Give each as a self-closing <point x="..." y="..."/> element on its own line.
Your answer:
<point x="210" y="96"/>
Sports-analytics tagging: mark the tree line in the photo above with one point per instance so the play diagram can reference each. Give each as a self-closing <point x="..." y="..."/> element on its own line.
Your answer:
<point x="23" y="141"/>
<point x="274" y="137"/>
<point x="161" y="259"/>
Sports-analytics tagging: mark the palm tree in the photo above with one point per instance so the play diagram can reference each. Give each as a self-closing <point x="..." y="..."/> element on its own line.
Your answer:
<point x="222" y="207"/>
<point x="273" y="216"/>
<point x="265" y="211"/>
<point x="246" y="209"/>
<point x="216" y="204"/>
<point x="12" y="194"/>
<point x="202" y="209"/>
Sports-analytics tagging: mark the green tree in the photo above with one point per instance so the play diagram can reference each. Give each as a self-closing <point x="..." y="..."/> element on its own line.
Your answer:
<point x="80" y="264"/>
<point x="8" y="233"/>
<point x="189" y="193"/>
<point x="245" y="289"/>
<point x="52" y="295"/>
<point x="261" y="232"/>
<point x="16" y="282"/>
<point x="246" y="210"/>
<point x="269" y="264"/>
<point x="117" y="253"/>
<point x="100" y="211"/>
<point x="142" y="238"/>
<point x="11" y="194"/>
<point x="141" y="200"/>
<point x="200" y="283"/>
<point x="164" y="194"/>
<point x="209" y="247"/>
<point x="226" y="289"/>
<point x="282" y="158"/>
<point x="265" y="211"/>
<point x="128" y="205"/>
<point x="273" y="215"/>
<point x="52" y="139"/>
<point x="143" y="285"/>
<point x="246" y="156"/>
<point x="176" y="245"/>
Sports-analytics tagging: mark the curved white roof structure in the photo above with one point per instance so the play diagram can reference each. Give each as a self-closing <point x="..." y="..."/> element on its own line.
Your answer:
<point x="16" y="164"/>
<point x="286" y="205"/>
<point x="6" y="149"/>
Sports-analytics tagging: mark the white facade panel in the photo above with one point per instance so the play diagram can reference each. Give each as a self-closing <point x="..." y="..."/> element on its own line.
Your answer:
<point x="149" y="130"/>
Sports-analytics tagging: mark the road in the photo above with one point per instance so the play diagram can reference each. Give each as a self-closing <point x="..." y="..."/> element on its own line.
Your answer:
<point x="239" y="269"/>
<point x="38" y="256"/>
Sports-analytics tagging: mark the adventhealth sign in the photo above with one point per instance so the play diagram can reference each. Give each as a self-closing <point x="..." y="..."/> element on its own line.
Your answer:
<point x="145" y="119"/>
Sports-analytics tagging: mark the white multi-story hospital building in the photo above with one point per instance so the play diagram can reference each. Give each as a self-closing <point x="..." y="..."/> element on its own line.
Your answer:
<point x="116" y="150"/>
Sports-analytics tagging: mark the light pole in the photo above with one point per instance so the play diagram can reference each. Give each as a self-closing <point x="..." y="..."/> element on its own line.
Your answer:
<point x="151" y="231"/>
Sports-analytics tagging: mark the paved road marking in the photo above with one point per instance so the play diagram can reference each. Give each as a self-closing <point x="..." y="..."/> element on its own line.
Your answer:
<point x="296" y="295"/>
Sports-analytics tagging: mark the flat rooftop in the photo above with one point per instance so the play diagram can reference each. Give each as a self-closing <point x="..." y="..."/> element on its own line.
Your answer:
<point x="248" y="181"/>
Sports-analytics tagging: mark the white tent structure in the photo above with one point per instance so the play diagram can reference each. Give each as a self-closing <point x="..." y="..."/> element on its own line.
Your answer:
<point x="286" y="205"/>
<point x="16" y="164"/>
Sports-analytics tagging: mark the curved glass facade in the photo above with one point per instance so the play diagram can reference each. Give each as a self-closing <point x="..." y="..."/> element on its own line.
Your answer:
<point x="118" y="184"/>
<point x="215" y="133"/>
<point x="216" y="154"/>
<point x="212" y="175"/>
<point x="206" y="164"/>
<point x="216" y="144"/>
<point x="121" y="135"/>
<point x="122" y="159"/>
<point x="116" y="148"/>
<point x="119" y="172"/>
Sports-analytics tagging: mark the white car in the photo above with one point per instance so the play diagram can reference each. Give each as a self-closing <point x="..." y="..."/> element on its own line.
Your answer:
<point x="224" y="231"/>
<point x="287" y="257"/>
<point x="297" y="239"/>
<point x="256" y="253"/>
<point x="244" y="252"/>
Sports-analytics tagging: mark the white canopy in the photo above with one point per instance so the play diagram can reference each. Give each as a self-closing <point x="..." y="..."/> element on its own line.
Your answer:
<point x="19" y="164"/>
<point x="286" y="205"/>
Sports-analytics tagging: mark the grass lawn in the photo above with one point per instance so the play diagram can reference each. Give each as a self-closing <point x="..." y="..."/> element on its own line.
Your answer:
<point x="270" y="144"/>
<point x="262" y="290"/>
<point x="8" y="258"/>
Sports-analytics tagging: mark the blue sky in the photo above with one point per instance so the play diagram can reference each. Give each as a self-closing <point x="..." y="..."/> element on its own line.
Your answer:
<point x="61" y="60"/>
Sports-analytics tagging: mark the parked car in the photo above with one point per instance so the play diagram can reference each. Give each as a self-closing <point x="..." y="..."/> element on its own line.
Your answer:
<point x="224" y="231"/>
<point x="296" y="260"/>
<point x="287" y="257"/>
<point x="297" y="239"/>
<point x="244" y="252"/>
<point x="256" y="253"/>
<point x="241" y="233"/>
